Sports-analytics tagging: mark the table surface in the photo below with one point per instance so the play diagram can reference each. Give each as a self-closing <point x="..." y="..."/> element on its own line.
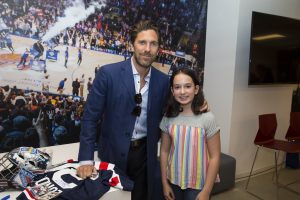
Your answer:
<point x="112" y="194"/>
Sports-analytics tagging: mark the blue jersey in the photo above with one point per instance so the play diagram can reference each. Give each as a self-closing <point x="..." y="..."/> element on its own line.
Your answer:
<point x="61" y="84"/>
<point x="8" y="40"/>
<point x="61" y="182"/>
<point x="66" y="54"/>
<point x="25" y="55"/>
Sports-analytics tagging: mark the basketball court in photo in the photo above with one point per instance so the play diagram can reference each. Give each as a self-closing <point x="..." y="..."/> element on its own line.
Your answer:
<point x="26" y="78"/>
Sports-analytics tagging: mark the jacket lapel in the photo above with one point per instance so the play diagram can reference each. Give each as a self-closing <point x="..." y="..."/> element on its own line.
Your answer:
<point x="152" y="88"/>
<point x="127" y="77"/>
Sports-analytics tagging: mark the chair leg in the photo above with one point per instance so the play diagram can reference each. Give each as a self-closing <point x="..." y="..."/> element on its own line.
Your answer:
<point x="276" y="174"/>
<point x="252" y="168"/>
<point x="276" y="168"/>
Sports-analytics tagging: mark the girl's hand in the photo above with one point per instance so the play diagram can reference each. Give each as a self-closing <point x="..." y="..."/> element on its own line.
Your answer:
<point x="168" y="192"/>
<point x="204" y="107"/>
<point x="203" y="196"/>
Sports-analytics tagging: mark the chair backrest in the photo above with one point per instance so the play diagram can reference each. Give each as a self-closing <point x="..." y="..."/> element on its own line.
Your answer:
<point x="293" y="132"/>
<point x="267" y="128"/>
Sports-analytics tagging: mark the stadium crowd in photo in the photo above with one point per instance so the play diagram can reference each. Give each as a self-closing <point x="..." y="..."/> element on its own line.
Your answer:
<point x="51" y="51"/>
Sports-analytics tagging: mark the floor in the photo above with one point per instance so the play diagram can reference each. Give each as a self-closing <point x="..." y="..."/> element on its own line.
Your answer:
<point x="262" y="187"/>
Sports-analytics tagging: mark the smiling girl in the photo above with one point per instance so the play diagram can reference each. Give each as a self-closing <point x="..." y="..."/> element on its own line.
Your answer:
<point x="190" y="146"/>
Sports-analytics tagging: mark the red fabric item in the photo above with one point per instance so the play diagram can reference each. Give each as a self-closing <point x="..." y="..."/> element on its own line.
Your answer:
<point x="103" y="166"/>
<point x="114" y="181"/>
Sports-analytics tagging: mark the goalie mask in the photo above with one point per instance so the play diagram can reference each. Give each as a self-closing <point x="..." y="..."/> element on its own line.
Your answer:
<point x="19" y="167"/>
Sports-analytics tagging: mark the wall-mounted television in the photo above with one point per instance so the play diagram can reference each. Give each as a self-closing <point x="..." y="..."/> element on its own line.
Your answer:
<point x="274" y="50"/>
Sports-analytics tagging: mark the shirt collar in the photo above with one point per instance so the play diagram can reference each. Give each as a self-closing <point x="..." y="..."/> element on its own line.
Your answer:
<point x="135" y="72"/>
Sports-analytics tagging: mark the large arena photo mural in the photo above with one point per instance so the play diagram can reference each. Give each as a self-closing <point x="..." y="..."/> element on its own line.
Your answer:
<point x="51" y="50"/>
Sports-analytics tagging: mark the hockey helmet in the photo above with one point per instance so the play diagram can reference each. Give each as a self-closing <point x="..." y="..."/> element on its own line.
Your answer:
<point x="19" y="166"/>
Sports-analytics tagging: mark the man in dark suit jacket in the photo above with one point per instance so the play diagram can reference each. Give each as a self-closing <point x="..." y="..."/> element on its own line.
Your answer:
<point x="129" y="98"/>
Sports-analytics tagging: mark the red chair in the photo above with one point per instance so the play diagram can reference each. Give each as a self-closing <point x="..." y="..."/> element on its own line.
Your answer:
<point x="293" y="132"/>
<point x="265" y="138"/>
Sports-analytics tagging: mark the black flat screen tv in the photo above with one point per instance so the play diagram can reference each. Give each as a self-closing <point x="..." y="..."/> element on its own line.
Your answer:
<point x="274" y="50"/>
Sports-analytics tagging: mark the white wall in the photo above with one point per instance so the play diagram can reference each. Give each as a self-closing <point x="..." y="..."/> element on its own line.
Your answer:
<point x="235" y="104"/>
<point x="221" y="38"/>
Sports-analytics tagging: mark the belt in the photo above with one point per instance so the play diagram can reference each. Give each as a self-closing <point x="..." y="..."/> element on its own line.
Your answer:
<point x="137" y="143"/>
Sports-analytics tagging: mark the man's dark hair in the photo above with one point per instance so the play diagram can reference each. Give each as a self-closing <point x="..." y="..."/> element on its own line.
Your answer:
<point x="143" y="26"/>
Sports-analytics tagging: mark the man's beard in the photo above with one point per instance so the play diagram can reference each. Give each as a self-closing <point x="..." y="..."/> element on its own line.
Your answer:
<point x="144" y="64"/>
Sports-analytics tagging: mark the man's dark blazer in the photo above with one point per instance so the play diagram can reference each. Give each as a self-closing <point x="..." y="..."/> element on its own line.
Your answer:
<point x="112" y="99"/>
